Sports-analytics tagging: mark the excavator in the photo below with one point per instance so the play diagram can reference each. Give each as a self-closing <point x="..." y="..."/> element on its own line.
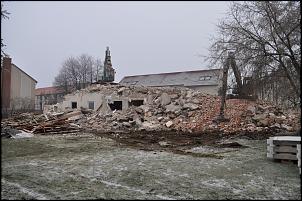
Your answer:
<point x="241" y="91"/>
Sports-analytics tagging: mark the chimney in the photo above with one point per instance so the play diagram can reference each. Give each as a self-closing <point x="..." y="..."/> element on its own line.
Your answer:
<point x="6" y="82"/>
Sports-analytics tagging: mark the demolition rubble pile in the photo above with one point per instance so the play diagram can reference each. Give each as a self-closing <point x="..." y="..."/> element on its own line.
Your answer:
<point x="170" y="108"/>
<point x="164" y="108"/>
<point x="45" y="123"/>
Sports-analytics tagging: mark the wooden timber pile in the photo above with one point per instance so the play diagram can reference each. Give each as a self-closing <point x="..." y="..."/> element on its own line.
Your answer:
<point x="56" y="123"/>
<point x="285" y="148"/>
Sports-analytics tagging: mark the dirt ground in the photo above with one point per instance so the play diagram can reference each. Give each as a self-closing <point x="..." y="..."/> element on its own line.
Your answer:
<point x="144" y="165"/>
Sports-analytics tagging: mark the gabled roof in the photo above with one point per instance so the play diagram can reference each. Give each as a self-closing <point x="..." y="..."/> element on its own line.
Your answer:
<point x="185" y="78"/>
<point x="48" y="90"/>
<point x="24" y="72"/>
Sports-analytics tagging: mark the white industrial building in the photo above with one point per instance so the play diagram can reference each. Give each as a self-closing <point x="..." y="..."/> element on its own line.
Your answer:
<point x="17" y="88"/>
<point x="207" y="81"/>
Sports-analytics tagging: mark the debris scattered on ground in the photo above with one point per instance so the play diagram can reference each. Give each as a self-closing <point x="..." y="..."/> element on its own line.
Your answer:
<point x="22" y="135"/>
<point x="182" y="109"/>
<point x="52" y="123"/>
<point x="7" y="132"/>
<point x="164" y="109"/>
<point x="231" y="145"/>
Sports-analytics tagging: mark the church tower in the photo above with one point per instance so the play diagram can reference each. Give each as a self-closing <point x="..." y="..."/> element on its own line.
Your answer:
<point x="108" y="72"/>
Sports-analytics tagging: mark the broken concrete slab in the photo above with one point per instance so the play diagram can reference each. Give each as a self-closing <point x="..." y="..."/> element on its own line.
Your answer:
<point x="145" y="108"/>
<point x="150" y="126"/>
<point x="169" y="124"/>
<point x="76" y="117"/>
<point x="190" y="106"/>
<point x="251" y="110"/>
<point x="160" y="118"/>
<point x="165" y="99"/>
<point x="173" y="108"/>
<point x="286" y="127"/>
<point x="71" y="114"/>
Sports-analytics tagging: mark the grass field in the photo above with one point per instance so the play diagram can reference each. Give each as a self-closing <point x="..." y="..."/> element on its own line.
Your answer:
<point x="90" y="167"/>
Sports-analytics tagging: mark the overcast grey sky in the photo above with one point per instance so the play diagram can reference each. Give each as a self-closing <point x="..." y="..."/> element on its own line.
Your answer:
<point x="144" y="37"/>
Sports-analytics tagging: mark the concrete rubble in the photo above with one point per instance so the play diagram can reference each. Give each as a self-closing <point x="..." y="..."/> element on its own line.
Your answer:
<point x="164" y="108"/>
<point x="182" y="109"/>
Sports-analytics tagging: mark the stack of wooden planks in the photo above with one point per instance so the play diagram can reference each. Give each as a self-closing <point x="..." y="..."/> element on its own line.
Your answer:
<point x="45" y="124"/>
<point x="285" y="148"/>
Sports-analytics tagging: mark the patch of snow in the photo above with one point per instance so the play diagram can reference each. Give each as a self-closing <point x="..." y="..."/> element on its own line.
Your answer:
<point x="22" y="135"/>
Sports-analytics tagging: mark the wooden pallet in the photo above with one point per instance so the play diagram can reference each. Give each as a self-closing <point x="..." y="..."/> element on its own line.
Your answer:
<point x="286" y="161"/>
<point x="285" y="149"/>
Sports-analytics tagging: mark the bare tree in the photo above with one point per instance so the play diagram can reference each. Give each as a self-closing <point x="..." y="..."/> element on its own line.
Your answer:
<point x="72" y="69"/>
<point x="99" y="68"/>
<point x="266" y="38"/>
<point x="4" y="15"/>
<point x="76" y="72"/>
<point x="86" y="69"/>
<point x="69" y="76"/>
<point x="62" y="81"/>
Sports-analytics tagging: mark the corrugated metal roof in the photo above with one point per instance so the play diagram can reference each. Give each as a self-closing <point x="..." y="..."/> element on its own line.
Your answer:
<point x="186" y="78"/>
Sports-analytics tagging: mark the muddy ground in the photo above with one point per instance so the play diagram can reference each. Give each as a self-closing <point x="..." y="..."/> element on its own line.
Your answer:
<point x="180" y="142"/>
<point x="144" y="165"/>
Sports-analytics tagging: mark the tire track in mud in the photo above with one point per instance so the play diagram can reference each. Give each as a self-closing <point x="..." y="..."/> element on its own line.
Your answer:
<point x="136" y="190"/>
<point x="25" y="190"/>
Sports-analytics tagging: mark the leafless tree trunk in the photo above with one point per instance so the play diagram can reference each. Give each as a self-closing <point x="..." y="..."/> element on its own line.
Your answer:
<point x="86" y="71"/>
<point x="99" y="67"/>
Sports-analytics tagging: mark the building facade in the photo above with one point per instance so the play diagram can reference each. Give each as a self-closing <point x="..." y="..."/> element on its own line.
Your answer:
<point x="207" y="81"/>
<point x="17" y="89"/>
<point x="102" y="98"/>
<point x="48" y="96"/>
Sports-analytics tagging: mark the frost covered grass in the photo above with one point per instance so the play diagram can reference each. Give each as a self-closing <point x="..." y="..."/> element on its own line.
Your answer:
<point x="90" y="167"/>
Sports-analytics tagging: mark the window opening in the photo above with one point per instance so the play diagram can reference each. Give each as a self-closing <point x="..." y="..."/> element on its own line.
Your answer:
<point x="74" y="105"/>
<point x="91" y="105"/>
<point x="116" y="105"/>
<point x="136" y="103"/>
<point x="202" y="78"/>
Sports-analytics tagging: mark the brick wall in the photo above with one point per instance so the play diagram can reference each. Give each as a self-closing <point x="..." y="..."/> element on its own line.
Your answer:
<point x="6" y="82"/>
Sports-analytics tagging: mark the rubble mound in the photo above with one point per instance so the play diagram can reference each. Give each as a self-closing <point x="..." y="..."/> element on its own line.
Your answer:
<point x="161" y="109"/>
<point x="186" y="110"/>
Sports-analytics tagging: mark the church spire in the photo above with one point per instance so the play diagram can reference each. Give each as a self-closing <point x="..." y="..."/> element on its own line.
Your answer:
<point x="108" y="72"/>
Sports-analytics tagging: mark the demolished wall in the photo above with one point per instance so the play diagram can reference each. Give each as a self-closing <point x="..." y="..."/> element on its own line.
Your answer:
<point x="170" y="108"/>
<point x="101" y="95"/>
